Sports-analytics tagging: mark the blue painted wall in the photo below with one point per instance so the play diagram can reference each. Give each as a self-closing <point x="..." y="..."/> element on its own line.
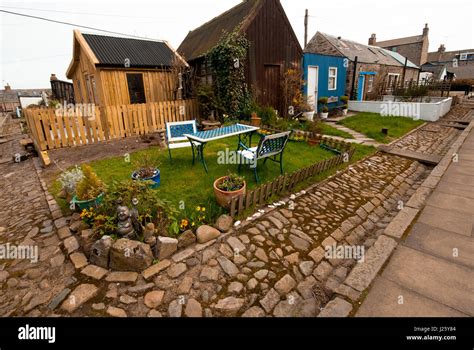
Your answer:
<point x="324" y="62"/>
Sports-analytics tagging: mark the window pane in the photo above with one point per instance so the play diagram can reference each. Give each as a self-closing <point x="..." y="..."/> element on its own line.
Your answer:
<point x="135" y="88"/>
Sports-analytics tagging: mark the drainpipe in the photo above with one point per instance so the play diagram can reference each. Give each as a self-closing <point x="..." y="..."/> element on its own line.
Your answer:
<point x="354" y="73"/>
<point x="404" y="72"/>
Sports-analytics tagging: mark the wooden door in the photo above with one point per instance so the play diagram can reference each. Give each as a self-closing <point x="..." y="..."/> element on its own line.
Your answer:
<point x="271" y="86"/>
<point x="313" y="80"/>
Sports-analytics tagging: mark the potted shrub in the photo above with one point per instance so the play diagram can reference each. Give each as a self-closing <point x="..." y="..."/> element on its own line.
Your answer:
<point x="323" y="101"/>
<point x="314" y="129"/>
<point x="255" y="120"/>
<point x="228" y="187"/>
<point x="308" y="110"/>
<point x="345" y="107"/>
<point x="89" y="191"/>
<point x="147" y="171"/>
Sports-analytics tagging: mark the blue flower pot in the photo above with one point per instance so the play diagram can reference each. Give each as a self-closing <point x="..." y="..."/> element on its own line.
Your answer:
<point x="91" y="203"/>
<point x="155" y="178"/>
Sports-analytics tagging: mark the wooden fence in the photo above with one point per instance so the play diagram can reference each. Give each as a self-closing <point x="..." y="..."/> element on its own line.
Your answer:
<point x="57" y="128"/>
<point x="287" y="183"/>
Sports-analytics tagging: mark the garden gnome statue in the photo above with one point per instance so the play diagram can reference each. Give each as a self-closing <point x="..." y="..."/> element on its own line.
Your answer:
<point x="125" y="227"/>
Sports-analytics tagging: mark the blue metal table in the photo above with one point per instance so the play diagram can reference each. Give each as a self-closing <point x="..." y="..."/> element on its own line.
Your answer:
<point x="203" y="137"/>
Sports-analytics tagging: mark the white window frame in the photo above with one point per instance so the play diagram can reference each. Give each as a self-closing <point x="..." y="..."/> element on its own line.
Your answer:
<point x="463" y="56"/>
<point x="332" y="76"/>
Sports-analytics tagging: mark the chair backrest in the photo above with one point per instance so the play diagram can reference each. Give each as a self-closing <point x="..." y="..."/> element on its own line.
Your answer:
<point x="272" y="145"/>
<point x="176" y="130"/>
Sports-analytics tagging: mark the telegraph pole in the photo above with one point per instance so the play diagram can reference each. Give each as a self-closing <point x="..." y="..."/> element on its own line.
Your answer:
<point x="306" y="28"/>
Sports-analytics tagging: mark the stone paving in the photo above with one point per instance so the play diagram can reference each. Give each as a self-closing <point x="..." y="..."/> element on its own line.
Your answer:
<point x="273" y="266"/>
<point x="431" y="273"/>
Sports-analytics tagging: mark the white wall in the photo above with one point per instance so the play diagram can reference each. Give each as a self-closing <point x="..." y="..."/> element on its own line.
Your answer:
<point x="424" y="111"/>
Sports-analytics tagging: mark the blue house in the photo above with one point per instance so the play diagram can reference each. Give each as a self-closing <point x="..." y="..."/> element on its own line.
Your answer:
<point x="325" y="76"/>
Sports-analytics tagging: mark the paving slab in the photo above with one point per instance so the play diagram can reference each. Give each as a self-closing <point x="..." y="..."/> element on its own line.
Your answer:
<point x="388" y="299"/>
<point x="452" y="202"/>
<point x="431" y="159"/>
<point x="451" y="246"/>
<point x="438" y="279"/>
<point x="456" y="189"/>
<point x="448" y="220"/>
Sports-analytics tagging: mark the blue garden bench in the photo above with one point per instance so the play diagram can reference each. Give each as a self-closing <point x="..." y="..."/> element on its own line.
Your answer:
<point x="175" y="138"/>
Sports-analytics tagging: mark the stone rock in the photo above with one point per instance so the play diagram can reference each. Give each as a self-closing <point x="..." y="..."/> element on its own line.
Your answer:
<point x="79" y="296"/>
<point x="57" y="260"/>
<point x="254" y="311"/>
<point x="79" y="260"/>
<point x="100" y="251"/>
<point x="98" y="306"/>
<point x="176" y="270"/>
<point x="270" y="300"/>
<point x="193" y="308"/>
<point x="154" y="313"/>
<point x="165" y="247"/>
<point x="229" y="306"/>
<point x="236" y="245"/>
<point x="285" y="285"/>
<point x="183" y="255"/>
<point x="127" y="299"/>
<point x="185" y="285"/>
<point x="155" y="269"/>
<point x="78" y="226"/>
<point x="224" y="223"/>
<point x="122" y="277"/>
<point x="116" y="312"/>
<point x="53" y="304"/>
<point x="299" y="243"/>
<point x="71" y="244"/>
<point x="93" y="271"/>
<point x="63" y="232"/>
<point x="322" y="271"/>
<point x="153" y="299"/>
<point x="261" y="255"/>
<point x="186" y="239"/>
<point x="206" y="233"/>
<point x="175" y="309"/>
<point x="87" y="239"/>
<point x="127" y="255"/>
<point x="306" y="267"/>
<point x="261" y="274"/>
<point x="252" y="284"/>
<point x="209" y="274"/>
<point x="337" y="307"/>
<point x="317" y="254"/>
<point x="135" y="290"/>
<point x="228" y="266"/>
<point x="235" y="287"/>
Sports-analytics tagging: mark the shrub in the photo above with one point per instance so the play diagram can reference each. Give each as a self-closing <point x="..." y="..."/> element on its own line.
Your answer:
<point x="231" y="183"/>
<point x="90" y="185"/>
<point x="344" y="99"/>
<point x="345" y="106"/>
<point x="325" y="109"/>
<point x="145" y="167"/>
<point x="268" y="115"/>
<point x="323" y="100"/>
<point x="69" y="179"/>
<point x="314" y="127"/>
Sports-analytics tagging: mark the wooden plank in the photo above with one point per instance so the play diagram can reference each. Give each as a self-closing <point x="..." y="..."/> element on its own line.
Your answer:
<point x="241" y="204"/>
<point x="76" y="141"/>
<point x="61" y="127"/>
<point x="126" y="120"/>
<point x="232" y="206"/>
<point x="255" y="197"/>
<point x="247" y="199"/>
<point x="100" y="132"/>
<point x="67" y="125"/>
<point x="54" y="129"/>
<point x="47" y="128"/>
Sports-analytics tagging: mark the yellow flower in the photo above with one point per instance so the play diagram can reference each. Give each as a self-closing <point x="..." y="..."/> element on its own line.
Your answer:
<point x="198" y="208"/>
<point x="203" y="209"/>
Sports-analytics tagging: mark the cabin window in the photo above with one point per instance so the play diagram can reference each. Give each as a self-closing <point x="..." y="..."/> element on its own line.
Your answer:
<point x="332" y="81"/>
<point x="392" y="79"/>
<point x="370" y="83"/>
<point x="136" y="88"/>
<point x="394" y="49"/>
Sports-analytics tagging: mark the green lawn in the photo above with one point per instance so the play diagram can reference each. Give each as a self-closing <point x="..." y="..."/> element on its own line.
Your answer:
<point x="371" y="125"/>
<point x="327" y="129"/>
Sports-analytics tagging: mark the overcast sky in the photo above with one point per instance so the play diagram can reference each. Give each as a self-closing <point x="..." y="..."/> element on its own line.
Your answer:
<point x="32" y="49"/>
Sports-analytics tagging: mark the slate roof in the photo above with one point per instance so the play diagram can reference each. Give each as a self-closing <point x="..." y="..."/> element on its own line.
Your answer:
<point x="401" y="59"/>
<point x="112" y="51"/>
<point x="463" y="71"/>
<point x="351" y="49"/>
<point x="200" y="40"/>
<point x="447" y="56"/>
<point x="14" y="94"/>
<point x="400" y="41"/>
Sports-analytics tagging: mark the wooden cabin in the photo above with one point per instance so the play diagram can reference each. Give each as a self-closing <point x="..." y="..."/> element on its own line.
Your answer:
<point x="108" y="70"/>
<point x="274" y="47"/>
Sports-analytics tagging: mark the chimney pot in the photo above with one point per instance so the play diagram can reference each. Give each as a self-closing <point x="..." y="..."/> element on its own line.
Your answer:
<point x="373" y="40"/>
<point x="53" y="77"/>
<point x="8" y="87"/>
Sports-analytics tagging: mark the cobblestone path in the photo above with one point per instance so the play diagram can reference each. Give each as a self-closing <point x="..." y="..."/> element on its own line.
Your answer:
<point x="273" y="266"/>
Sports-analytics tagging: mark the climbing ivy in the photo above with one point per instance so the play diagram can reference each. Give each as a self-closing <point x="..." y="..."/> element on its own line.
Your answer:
<point x="227" y="60"/>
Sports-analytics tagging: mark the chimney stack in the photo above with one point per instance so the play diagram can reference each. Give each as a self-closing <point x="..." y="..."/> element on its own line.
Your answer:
<point x="8" y="87"/>
<point x="53" y="77"/>
<point x="373" y="40"/>
<point x="441" y="48"/>
<point x="426" y="30"/>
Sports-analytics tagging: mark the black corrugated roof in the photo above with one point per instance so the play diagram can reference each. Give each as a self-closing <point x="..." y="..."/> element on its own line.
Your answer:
<point x="113" y="51"/>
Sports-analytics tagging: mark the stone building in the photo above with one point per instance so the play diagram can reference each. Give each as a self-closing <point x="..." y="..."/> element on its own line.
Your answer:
<point x="459" y="63"/>
<point x="375" y="68"/>
<point x="415" y="48"/>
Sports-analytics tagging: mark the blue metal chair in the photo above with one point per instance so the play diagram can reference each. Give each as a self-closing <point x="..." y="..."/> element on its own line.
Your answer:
<point x="270" y="147"/>
<point x="175" y="138"/>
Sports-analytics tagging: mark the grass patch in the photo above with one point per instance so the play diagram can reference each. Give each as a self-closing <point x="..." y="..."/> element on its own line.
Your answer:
<point x="183" y="183"/>
<point x="371" y="125"/>
<point x="327" y="129"/>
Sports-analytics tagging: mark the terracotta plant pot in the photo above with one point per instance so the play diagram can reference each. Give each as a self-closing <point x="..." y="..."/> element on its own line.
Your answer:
<point x="224" y="198"/>
<point x="255" y="121"/>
